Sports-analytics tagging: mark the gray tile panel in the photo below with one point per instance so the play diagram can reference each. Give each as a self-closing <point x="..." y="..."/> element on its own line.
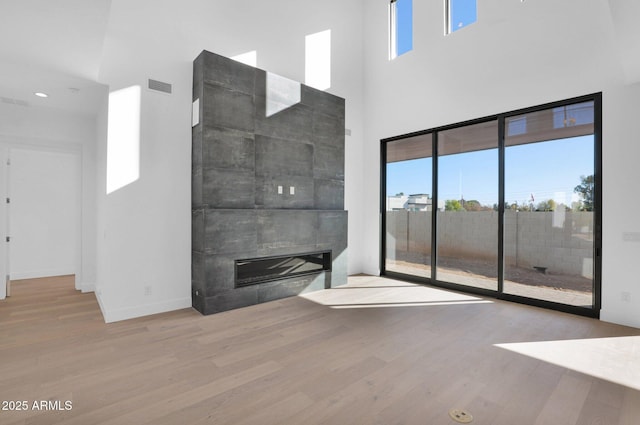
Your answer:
<point x="228" y="148"/>
<point x="228" y="188"/>
<point x="228" y="73"/>
<point x="198" y="76"/>
<point x="240" y="297"/>
<point x="328" y="130"/>
<point x="223" y="107"/>
<point x="219" y="271"/>
<point x="230" y="231"/>
<point x="328" y="162"/>
<point x="288" y="287"/>
<point x="267" y="196"/>
<point x="329" y="194"/>
<point x="197" y="267"/>
<point x="332" y="228"/>
<point x="278" y="157"/>
<point x="196" y="167"/>
<point x="323" y="102"/>
<point x="293" y="123"/>
<point x="197" y="230"/>
<point x="286" y="229"/>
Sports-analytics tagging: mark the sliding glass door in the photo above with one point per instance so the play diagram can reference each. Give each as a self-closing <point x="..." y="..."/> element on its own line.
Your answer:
<point x="549" y="205"/>
<point x="516" y="200"/>
<point x="468" y="191"/>
<point x="408" y="206"/>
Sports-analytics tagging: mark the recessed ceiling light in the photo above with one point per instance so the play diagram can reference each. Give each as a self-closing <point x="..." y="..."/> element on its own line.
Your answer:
<point x="40" y="94"/>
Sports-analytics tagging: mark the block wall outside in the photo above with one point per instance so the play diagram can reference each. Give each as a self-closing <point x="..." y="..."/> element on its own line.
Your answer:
<point x="560" y="241"/>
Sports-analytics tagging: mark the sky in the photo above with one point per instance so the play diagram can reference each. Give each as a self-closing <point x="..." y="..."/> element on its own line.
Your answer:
<point x="404" y="26"/>
<point x="546" y="170"/>
<point x="462" y="13"/>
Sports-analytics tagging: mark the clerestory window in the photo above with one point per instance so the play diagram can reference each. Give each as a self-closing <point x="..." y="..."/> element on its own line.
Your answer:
<point x="400" y="27"/>
<point x="459" y="14"/>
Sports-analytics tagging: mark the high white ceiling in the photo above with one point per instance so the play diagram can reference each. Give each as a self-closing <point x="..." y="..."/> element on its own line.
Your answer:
<point x="53" y="47"/>
<point x="57" y="46"/>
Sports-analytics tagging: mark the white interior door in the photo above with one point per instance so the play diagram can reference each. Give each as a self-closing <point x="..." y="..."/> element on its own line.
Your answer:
<point x="44" y="213"/>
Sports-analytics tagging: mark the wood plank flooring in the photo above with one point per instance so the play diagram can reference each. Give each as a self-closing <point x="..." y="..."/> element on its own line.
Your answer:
<point x="376" y="351"/>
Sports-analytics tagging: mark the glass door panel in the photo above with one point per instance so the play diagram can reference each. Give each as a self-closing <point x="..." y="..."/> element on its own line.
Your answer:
<point x="467" y="232"/>
<point x="408" y="206"/>
<point x="549" y="205"/>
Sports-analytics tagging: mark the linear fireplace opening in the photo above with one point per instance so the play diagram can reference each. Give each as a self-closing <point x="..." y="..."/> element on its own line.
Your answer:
<point x="252" y="271"/>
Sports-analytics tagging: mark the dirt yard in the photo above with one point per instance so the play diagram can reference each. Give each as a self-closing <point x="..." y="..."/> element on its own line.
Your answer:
<point x="485" y="269"/>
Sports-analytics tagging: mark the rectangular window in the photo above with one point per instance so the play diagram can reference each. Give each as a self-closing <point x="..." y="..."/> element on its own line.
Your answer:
<point x="460" y="13"/>
<point x="400" y="27"/>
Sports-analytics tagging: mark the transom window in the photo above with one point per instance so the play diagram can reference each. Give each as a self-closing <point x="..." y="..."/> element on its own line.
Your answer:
<point x="400" y="27"/>
<point x="459" y="14"/>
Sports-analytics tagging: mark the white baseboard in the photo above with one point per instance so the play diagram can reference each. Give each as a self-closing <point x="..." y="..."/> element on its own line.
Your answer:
<point x="98" y="295"/>
<point x="41" y="273"/>
<point x="619" y="318"/>
<point x="86" y="287"/>
<point x="124" y="313"/>
<point x="3" y="286"/>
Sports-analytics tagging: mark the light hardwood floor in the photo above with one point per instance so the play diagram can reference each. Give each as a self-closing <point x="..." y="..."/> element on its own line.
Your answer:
<point x="374" y="352"/>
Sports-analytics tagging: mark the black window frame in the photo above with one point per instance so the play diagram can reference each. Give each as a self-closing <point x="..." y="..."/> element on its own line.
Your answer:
<point x="594" y="311"/>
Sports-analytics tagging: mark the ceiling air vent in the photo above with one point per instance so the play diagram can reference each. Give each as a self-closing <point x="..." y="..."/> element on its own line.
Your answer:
<point x="159" y="86"/>
<point x="14" y="101"/>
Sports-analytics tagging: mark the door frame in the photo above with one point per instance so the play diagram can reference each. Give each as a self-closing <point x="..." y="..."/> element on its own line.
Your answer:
<point x="9" y="143"/>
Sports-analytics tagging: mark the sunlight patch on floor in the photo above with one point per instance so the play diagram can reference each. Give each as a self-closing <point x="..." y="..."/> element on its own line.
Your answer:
<point x="373" y="292"/>
<point x="615" y="359"/>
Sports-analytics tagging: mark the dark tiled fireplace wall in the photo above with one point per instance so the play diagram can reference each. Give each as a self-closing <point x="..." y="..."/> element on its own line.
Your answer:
<point x="264" y="183"/>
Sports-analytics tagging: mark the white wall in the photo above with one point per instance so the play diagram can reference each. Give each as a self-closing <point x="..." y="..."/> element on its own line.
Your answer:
<point x="51" y="129"/>
<point x="4" y="154"/>
<point x="37" y="125"/>
<point x="102" y="263"/>
<point x="144" y="228"/>
<point x="621" y="108"/>
<point x="517" y="55"/>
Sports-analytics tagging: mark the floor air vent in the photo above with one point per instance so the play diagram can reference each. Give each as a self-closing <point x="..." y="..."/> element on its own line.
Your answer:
<point x="159" y="86"/>
<point x="461" y="416"/>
